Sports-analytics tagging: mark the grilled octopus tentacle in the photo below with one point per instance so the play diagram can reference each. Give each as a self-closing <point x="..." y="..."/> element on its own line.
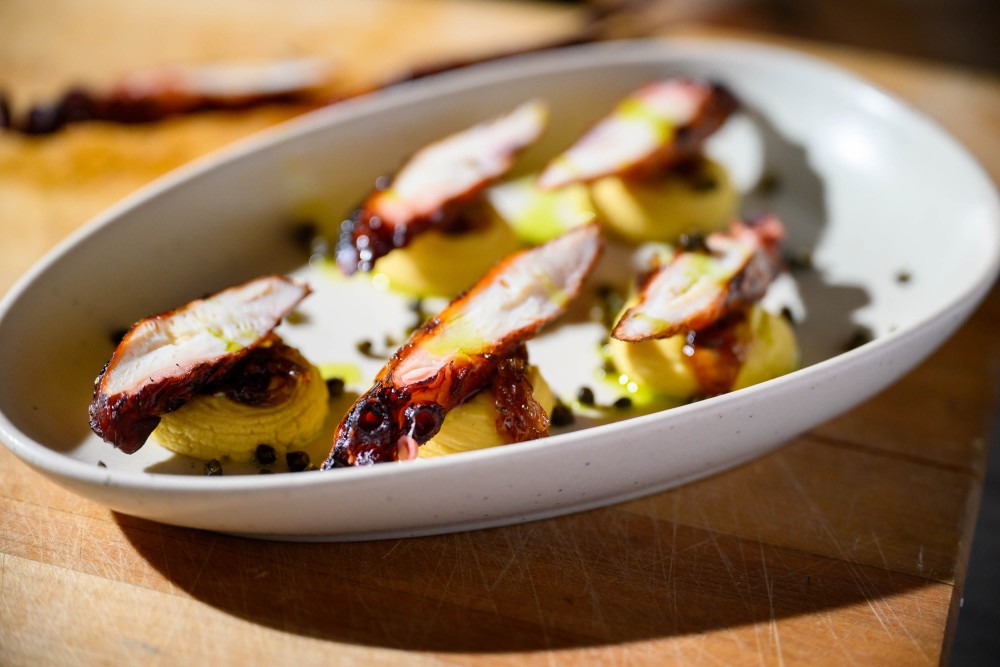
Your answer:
<point x="164" y="360"/>
<point x="435" y="185"/>
<point x="153" y="94"/>
<point x="695" y="289"/>
<point x="456" y="354"/>
<point x="657" y="126"/>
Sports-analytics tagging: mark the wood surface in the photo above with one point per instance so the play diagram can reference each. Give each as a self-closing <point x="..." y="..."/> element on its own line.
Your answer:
<point x="847" y="546"/>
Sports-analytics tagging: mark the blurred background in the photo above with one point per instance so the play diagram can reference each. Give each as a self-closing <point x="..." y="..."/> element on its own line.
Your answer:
<point x="957" y="31"/>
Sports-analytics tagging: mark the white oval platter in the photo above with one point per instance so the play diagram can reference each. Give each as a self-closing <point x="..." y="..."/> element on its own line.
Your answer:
<point x="871" y="187"/>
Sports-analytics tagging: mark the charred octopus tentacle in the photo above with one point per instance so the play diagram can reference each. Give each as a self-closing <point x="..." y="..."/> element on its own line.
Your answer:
<point x="150" y="95"/>
<point x="660" y="125"/>
<point x="457" y="353"/>
<point x="164" y="360"/>
<point x="695" y="289"/>
<point x="433" y="188"/>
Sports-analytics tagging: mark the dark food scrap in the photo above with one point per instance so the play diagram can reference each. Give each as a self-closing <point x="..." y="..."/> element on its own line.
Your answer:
<point x="561" y="415"/>
<point x="265" y="455"/>
<point x="297" y="461"/>
<point x="335" y="387"/>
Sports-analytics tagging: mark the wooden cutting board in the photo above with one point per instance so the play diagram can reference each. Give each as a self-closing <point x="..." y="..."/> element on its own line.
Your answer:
<point x="847" y="545"/>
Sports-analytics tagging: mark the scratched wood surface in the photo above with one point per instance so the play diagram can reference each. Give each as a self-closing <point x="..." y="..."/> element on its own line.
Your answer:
<point x="846" y="546"/>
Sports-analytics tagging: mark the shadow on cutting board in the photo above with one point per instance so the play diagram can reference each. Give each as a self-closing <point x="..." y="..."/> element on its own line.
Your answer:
<point x="589" y="579"/>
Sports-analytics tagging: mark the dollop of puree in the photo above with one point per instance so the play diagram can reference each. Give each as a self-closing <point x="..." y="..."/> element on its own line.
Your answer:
<point x="444" y="262"/>
<point x="746" y="348"/>
<point x="273" y="396"/>
<point x="695" y="196"/>
<point x="474" y="424"/>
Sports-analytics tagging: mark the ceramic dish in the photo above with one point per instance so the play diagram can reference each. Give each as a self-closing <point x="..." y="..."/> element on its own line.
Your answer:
<point x="871" y="187"/>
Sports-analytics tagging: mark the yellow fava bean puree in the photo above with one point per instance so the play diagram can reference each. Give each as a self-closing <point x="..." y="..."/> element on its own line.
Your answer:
<point x="213" y="426"/>
<point x="472" y="425"/>
<point x="661" y="365"/>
